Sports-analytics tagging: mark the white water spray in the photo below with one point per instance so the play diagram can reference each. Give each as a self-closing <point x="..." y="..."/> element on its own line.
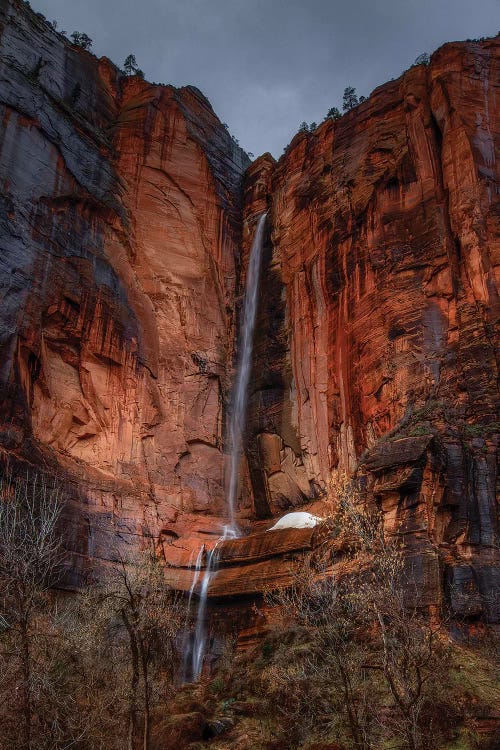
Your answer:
<point x="236" y="429"/>
<point x="243" y="371"/>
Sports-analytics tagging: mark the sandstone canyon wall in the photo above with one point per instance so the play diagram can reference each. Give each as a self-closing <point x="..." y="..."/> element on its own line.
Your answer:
<point x="382" y="355"/>
<point x="125" y="208"/>
<point x="120" y="232"/>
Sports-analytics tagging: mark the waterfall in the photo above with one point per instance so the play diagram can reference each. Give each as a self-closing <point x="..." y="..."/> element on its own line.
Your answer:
<point x="196" y="653"/>
<point x="244" y="368"/>
<point x="187" y="644"/>
<point x="200" y="633"/>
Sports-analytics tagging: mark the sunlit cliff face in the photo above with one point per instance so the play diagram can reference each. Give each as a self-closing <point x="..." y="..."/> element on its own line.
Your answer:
<point x="127" y="217"/>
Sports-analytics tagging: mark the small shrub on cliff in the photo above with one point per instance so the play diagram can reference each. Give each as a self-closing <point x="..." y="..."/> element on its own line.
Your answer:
<point x="267" y="649"/>
<point x="333" y="114"/>
<point x="304" y="127"/>
<point x="422" y="59"/>
<point x="130" y="65"/>
<point x="80" y="39"/>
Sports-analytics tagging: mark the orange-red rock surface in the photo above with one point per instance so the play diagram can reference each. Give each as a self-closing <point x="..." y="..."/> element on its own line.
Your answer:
<point x="121" y="207"/>
<point x="382" y="272"/>
<point x="126" y="218"/>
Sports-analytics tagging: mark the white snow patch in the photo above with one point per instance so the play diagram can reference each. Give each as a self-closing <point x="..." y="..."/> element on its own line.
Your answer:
<point x="299" y="520"/>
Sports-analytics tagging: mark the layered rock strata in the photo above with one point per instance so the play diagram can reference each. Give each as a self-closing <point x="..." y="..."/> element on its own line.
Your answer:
<point x="122" y="222"/>
<point x="120" y="226"/>
<point x="382" y="354"/>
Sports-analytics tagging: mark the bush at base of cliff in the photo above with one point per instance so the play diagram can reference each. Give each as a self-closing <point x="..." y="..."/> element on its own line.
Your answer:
<point x="285" y="694"/>
<point x="352" y="662"/>
<point x="93" y="670"/>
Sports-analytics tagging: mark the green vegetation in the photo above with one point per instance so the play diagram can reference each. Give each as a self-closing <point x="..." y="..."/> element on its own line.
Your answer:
<point x="481" y="430"/>
<point x="418" y="429"/>
<point x="422" y="59"/>
<point x="304" y="127"/>
<point x="333" y="114"/>
<point x="350" y="100"/>
<point x="430" y="417"/>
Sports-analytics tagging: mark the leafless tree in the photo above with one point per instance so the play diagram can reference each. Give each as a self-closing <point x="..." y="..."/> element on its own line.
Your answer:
<point x="332" y="659"/>
<point x="30" y="559"/>
<point x="133" y="600"/>
<point x="411" y="646"/>
<point x="367" y="634"/>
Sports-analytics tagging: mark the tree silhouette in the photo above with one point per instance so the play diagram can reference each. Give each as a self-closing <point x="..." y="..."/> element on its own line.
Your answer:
<point x="422" y="59"/>
<point x="333" y="114"/>
<point x="131" y="68"/>
<point x="350" y="99"/>
<point x="82" y="40"/>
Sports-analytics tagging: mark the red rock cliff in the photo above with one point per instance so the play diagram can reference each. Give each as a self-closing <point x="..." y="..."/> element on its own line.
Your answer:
<point x="121" y="222"/>
<point x="382" y="272"/>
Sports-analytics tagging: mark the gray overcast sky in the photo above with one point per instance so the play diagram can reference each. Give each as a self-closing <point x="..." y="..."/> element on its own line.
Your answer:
<point x="266" y="65"/>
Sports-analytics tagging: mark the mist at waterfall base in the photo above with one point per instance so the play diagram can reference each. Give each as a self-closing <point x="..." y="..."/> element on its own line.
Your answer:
<point x="194" y="643"/>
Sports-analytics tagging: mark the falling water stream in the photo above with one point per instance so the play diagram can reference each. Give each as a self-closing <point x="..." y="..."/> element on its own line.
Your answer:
<point x="200" y="632"/>
<point x="235" y="433"/>
<point x="244" y="368"/>
<point x="187" y="667"/>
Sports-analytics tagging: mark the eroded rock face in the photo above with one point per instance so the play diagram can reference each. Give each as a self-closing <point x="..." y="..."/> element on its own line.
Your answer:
<point x="120" y="221"/>
<point x="382" y="266"/>
<point x="123" y="216"/>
